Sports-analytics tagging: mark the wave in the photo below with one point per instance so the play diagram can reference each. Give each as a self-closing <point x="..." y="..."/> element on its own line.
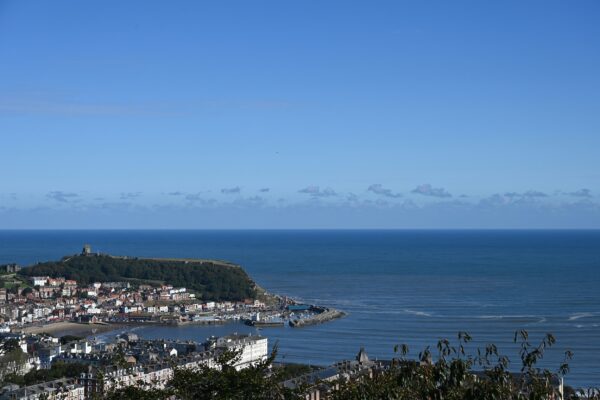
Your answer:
<point x="576" y="316"/>
<point x="418" y="313"/>
<point x="489" y="316"/>
<point x="540" y="318"/>
<point x="397" y="312"/>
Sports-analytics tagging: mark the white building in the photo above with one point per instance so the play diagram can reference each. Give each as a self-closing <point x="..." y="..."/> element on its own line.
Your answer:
<point x="254" y="349"/>
<point x="60" y="389"/>
<point x="93" y="310"/>
<point x="39" y="280"/>
<point x="83" y="347"/>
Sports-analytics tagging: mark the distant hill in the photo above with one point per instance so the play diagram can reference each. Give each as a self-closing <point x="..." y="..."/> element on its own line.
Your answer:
<point x="210" y="280"/>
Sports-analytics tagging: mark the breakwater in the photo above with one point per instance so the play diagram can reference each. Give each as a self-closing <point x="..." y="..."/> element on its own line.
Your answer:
<point x="321" y="315"/>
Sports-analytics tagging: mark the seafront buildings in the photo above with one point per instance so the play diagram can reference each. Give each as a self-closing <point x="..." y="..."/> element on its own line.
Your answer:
<point x="128" y="361"/>
<point x="49" y="300"/>
<point x="131" y="361"/>
<point x="41" y="300"/>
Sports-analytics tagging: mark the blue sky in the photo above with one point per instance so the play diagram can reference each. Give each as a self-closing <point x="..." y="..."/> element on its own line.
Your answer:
<point x="299" y="114"/>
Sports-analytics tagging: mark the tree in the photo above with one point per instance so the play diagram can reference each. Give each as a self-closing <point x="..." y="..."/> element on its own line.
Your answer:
<point x="57" y="370"/>
<point x="11" y="362"/>
<point x="210" y="280"/>
<point x="223" y="382"/>
<point x="453" y="375"/>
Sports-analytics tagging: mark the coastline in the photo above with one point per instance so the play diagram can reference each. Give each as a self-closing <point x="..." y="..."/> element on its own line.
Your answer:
<point x="64" y="328"/>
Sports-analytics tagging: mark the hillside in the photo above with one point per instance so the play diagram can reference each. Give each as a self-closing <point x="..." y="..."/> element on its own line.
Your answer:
<point x="211" y="280"/>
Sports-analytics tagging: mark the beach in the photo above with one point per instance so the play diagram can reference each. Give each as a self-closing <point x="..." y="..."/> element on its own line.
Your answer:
<point x="64" y="328"/>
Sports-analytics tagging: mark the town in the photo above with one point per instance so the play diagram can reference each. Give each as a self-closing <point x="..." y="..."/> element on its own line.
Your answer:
<point x="27" y="302"/>
<point x="50" y="300"/>
<point x="97" y="367"/>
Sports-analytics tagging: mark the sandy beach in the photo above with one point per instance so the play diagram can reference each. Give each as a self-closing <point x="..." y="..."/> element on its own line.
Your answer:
<point x="58" y="329"/>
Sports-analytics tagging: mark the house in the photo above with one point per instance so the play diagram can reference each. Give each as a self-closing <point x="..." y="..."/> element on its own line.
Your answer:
<point x="88" y="319"/>
<point x="55" y="282"/>
<point x="81" y="347"/>
<point x="151" y="309"/>
<point x="64" y="389"/>
<point x="320" y="383"/>
<point x="254" y="349"/>
<point x="47" y="352"/>
<point x="10" y="268"/>
<point x="47" y="292"/>
<point x="131" y="309"/>
<point x="39" y="280"/>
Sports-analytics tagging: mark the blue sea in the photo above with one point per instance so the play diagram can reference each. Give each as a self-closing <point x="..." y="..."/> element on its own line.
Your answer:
<point x="411" y="287"/>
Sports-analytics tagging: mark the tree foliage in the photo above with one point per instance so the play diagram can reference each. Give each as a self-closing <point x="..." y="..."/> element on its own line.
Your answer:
<point x="458" y="375"/>
<point x="58" y="370"/>
<point x="454" y="375"/>
<point x="212" y="281"/>
<point x="69" y="338"/>
<point x="11" y="362"/>
<point x="224" y="382"/>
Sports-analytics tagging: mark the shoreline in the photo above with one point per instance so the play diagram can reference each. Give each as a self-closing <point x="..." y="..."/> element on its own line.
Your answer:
<point x="64" y="328"/>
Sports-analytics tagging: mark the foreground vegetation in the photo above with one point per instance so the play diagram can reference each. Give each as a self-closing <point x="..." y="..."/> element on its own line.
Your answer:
<point x="454" y="375"/>
<point x="210" y="280"/>
<point x="224" y="383"/>
<point x="57" y="371"/>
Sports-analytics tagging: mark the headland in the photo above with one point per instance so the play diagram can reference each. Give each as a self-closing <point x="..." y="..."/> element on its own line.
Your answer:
<point x="89" y="293"/>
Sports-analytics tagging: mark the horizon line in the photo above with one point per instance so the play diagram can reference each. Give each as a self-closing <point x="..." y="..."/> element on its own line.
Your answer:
<point x="296" y="229"/>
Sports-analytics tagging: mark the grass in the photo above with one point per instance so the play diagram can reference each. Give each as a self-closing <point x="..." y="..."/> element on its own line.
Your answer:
<point x="9" y="281"/>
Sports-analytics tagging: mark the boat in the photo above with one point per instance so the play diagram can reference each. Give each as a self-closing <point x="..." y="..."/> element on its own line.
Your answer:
<point x="264" y="324"/>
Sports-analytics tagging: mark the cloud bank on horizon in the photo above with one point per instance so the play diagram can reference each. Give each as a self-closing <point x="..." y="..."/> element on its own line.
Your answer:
<point x="374" y="207"/>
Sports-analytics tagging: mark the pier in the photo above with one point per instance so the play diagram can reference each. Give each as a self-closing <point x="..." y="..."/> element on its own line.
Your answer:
<point x="321" y="315"/>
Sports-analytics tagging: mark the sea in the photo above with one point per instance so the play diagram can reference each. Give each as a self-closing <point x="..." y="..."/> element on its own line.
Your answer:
<point x="411" y="287"/>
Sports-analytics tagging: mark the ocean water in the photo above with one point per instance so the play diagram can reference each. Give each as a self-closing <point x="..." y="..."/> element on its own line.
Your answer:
<point x="411" y="287"/>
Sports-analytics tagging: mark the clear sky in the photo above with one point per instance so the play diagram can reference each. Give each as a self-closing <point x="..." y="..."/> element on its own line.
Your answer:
<point x="299" y="114"/>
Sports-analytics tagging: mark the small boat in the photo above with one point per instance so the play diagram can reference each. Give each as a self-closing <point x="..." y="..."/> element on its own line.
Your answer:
<point x="264" y="324"/>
